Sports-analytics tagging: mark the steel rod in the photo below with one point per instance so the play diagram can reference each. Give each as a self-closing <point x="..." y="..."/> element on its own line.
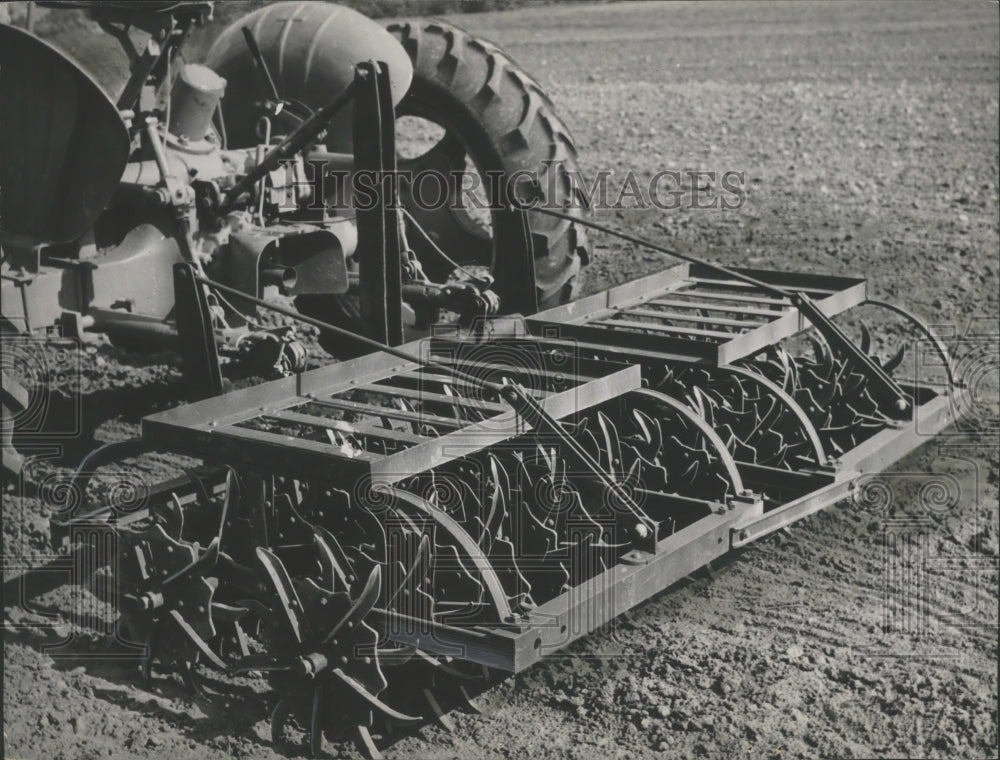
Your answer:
<point x="303" y="134"/>
<point x="374" y="344"/>
<point x="691" y="259"/>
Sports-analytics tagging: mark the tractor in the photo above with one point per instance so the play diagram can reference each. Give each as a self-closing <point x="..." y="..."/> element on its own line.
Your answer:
<point x="250" y="167"/>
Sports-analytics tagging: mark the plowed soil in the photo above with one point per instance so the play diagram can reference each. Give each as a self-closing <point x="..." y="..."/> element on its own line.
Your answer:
<point x="868" y="141"/>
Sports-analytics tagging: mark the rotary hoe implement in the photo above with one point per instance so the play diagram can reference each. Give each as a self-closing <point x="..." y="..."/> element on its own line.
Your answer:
<point x="378" y="539"/>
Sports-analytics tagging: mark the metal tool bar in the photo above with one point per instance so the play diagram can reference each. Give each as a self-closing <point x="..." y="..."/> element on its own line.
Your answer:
<point x="787" y="282"/>
<point x="428" y="397"/>
<point x="677" y="303"/>
<point x="682" y="349"/>
<point x="419" y="379"/>
<point x="569" y="374"/>
<point x="565" y="369"/>
<point x="671" y="315"/>
<point x="390" y="412"/>
<point x="739" y="285"/>
<point x="699" y="293"/>
<point x="658" y="327"/>
<point x="374" y="431"/>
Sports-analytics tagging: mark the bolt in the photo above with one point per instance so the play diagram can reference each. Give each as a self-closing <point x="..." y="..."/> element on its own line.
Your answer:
<point x="311" y="664"/>
<point x="641" y="530"/>
<point x="151" y="600"/>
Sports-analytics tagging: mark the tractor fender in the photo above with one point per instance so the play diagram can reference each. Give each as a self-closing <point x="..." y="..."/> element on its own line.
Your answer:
<point x="63" y="148"/>
<point x="310" y="49"/>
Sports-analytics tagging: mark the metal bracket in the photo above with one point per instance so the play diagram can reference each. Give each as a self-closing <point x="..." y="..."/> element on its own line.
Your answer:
<point x="512" y="236"/>
<point x="379" y="246"/>
<point x="199" y="356"/>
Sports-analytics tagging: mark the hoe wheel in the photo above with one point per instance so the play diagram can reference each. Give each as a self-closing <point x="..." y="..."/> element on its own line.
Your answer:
<point x="491" y="118"/>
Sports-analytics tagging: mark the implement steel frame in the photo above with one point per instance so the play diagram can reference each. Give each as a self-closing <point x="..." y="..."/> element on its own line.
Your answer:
<point x="584" y="608"/>
<point x="518" y="643"/>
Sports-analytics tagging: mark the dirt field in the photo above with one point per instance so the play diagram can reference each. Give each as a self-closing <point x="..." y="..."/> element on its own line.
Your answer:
<point x="867" y="135"/>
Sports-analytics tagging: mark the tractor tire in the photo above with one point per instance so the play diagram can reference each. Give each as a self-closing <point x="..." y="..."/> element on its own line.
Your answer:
<point x="499" y="118"/>
<point x="506" y="124"/>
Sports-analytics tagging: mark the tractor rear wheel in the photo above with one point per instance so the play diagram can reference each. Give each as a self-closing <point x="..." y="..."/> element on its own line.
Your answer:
<point x="473" y="116"/>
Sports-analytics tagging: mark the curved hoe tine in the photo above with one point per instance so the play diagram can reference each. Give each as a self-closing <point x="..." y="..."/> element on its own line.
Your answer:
<point x="331" y="543"/>
<point x="190" y="680"/>
<point x="197" y="640"/>
<point x="315" y="728"/>
<point x="170" y="515"/>
<point x="497" y="497"/>
<point x="455" y="407"/>
<point x="768" y="418"/>
<point x="283" y="588"/>
<point x="257" y="608"/>
<point x="284" y="504"/>
<point x="866" y="339"/>
<point x="829" y="360"/>
<point x="444" y="667"/>
<point x="656" y="431"/>
<point x="818" y="353"/>
<point x="806" y="400"/>
<point x="467" y="702"/>
<point x="612" y="444"/>
<point x="232" y="487"/>
<point x="279" y="716"/>
<point x="366" y="744"/>
<point x="205" y="562"/>
<point x="439" y="715"/>
<point x="856" y="383"/>
<point x="633" y="478"/>
<point x="589" y="441"/>
<point x="547" y="455"/>
<point x="374" y="701"/>
<point x="727" y="486"/>
<point x="204" y="499"/>
<point x="404" y="406"/>
<point x="363" y="605"/>
<point x="643" y="421"/>
<point x="706" y="404"/>
<point x="422" y="560"/>
<point x="826" y="395"/>
<point x="717" y="398"/>
<point x="147" y="661"/>
<point x="694" y="401"/>
<point x="387" y="422"/>
<point x="228" y="612"/>
<point x="787" y="377"/>
<point x="330" y="570"/>
<point x="896" y="360"/>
